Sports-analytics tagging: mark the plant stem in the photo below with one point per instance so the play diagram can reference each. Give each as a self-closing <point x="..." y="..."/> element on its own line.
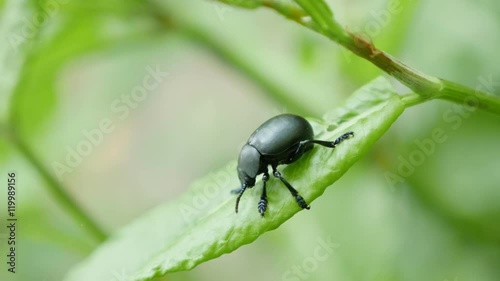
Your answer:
<point x="412" y="99"/>
<point x="312" y="17"/>
<point x="56" y="188"/>
<point x="475" y="98"/>
<point x="289" y="11"/>
<point x="419" y="82"/>
<point x="422" y="84"/>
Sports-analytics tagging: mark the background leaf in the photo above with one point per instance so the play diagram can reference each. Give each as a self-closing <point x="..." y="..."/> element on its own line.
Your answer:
<point x="202" y="223"/>
<point x="68" y="31"/>
<point x="12" y="56"/>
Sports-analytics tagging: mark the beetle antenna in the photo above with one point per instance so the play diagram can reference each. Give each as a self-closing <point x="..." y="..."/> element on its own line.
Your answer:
<point x="242" y="189"/>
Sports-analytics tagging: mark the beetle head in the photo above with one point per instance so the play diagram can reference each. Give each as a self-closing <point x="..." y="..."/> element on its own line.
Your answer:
<point x="248" y="165"/>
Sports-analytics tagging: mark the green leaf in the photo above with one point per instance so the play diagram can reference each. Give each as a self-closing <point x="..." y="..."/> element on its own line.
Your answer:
<point x="14" y="50"/>
<point x="69" y="30"/>
<point x="319" y="11"/>
<point x="202" y="225"/>
<point x="13" y="34"/>
<point x="323" y="16"/>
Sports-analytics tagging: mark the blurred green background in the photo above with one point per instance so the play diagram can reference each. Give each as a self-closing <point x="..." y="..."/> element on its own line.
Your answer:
<point x="83" y="59"/>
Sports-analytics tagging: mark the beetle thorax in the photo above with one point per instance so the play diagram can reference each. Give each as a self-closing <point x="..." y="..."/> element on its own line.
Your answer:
<point x="249" y="164"/>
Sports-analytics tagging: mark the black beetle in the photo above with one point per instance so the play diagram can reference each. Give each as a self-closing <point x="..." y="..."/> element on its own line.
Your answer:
<point x="282" y="139"/>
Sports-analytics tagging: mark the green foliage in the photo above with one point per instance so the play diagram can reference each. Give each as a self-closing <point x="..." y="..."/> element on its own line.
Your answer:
<point x="68" y="31"/>
<point x="322" y="15"/>
<point x="185" y="233"/>
<point x="13" y="53"/>
<point x="445" y="209"/>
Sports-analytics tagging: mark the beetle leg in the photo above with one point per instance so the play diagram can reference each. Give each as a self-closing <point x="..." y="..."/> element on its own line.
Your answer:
<point x="301" y="149"/>
<point x="302" y="203"/>
<point x="263" y="198"/>
<point x="240" y="193"/>
<point x="236" y="190"/>
<point x="332" y="144"/>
